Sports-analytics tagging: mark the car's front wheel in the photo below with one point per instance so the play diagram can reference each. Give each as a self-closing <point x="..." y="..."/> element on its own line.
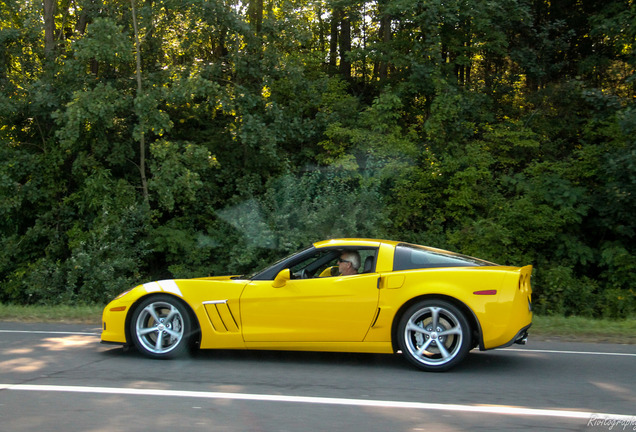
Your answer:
<point x="434" y="335"/>
<point x="160" y="327"/>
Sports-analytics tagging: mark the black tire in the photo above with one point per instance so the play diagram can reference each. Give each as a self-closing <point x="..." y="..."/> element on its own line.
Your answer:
<point x="434" y="335"/>
<point x="161" y="327"/>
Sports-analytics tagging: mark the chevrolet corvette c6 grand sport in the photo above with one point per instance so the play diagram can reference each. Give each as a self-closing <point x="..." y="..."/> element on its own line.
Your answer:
<point x="345" y="295"/>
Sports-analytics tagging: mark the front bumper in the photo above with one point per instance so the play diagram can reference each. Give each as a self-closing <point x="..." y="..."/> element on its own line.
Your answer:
<point x="114" y="324"/>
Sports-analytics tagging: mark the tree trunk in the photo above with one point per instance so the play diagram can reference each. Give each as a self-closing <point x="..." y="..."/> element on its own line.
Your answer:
<point x="321" y="30"/>
<point x="255" y="13"/>
<point x="333" y="44"/>
<point x="382" y="65"/>
<point x="49" y="28"/>
<point x="345" y="47"/>
<point x="82" y="22"/>
<point x="142" y="140"/>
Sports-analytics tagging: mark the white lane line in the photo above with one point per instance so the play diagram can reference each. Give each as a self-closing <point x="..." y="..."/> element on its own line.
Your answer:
<point x="483" y="409"/>
<point x="49" y="332"/>
<point x="569" y="352"/>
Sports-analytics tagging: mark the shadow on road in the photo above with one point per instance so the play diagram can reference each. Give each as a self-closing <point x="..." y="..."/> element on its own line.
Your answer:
<point x="494" y="362"/>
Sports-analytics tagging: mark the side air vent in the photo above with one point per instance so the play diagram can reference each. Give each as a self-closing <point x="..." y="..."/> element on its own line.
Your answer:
<point x="221" y="316"/>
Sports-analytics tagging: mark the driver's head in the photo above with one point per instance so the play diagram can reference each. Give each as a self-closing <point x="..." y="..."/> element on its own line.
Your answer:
<point x="349" y="262"/>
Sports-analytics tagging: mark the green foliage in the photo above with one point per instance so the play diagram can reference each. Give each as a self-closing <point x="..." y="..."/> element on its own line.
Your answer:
<point x="504" y="130"/>
<point x="108" y="256"/>
<point x="89" y="118"/>
<point x="563" y="293"/>
<point x="105" y="42"/>
<point x="176" y="171"/>
<point x="297" y="210"/>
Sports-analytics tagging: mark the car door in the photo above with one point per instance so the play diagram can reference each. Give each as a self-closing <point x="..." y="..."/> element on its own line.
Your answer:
<point x="321" y="309"/>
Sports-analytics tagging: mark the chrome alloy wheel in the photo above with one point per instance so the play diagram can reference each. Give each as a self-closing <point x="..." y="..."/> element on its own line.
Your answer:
<point x="434" y="335"/>
<point x="159" y="327"/>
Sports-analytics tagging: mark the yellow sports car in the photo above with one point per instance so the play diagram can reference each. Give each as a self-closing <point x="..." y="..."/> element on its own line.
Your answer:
<point x="353" y="295"/>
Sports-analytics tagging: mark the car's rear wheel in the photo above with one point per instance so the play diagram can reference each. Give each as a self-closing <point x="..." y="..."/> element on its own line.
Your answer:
<point x="160" y="327"/>
<point x="434" y="335"/>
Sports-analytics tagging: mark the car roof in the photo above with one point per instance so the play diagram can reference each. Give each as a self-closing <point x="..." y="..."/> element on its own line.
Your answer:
<point x="353" y="242"/>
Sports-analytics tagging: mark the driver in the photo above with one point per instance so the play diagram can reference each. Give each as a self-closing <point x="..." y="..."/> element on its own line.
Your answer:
<point x="349" y="263"/>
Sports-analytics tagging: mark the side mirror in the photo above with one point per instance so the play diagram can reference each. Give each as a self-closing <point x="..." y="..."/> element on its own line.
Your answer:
<point x="281" y="278"/>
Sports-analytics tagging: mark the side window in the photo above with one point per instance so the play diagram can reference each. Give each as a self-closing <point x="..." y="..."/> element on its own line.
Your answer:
<point x="327" y="263"/>
<point x="368" y="260"/>
<point x="357" y="261"/>
<point x="314" y="265"/>
<point x="410" y="257"/>
<point x="311" y="264"/>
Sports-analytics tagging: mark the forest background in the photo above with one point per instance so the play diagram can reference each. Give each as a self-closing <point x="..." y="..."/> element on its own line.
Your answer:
<point x="179" y="138"/>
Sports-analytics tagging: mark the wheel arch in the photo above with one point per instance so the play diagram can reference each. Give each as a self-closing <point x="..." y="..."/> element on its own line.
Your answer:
<point x="196" y="326"/>
<point x="473" y="322"/>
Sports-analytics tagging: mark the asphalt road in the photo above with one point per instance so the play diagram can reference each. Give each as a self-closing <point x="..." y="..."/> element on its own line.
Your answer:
<point x="59" y="377"/>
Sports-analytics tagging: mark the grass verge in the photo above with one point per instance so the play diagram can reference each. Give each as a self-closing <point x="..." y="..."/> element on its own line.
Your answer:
<point x="543" y="328"/>
<point x="49" y="314"/>
<point x="583" y="329"/>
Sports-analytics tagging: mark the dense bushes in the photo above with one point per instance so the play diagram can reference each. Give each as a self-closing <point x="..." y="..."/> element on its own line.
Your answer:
<point x="503" y="130"/>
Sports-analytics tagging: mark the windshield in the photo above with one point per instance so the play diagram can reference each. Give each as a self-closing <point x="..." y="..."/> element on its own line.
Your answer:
<point x="273" y="268"/>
